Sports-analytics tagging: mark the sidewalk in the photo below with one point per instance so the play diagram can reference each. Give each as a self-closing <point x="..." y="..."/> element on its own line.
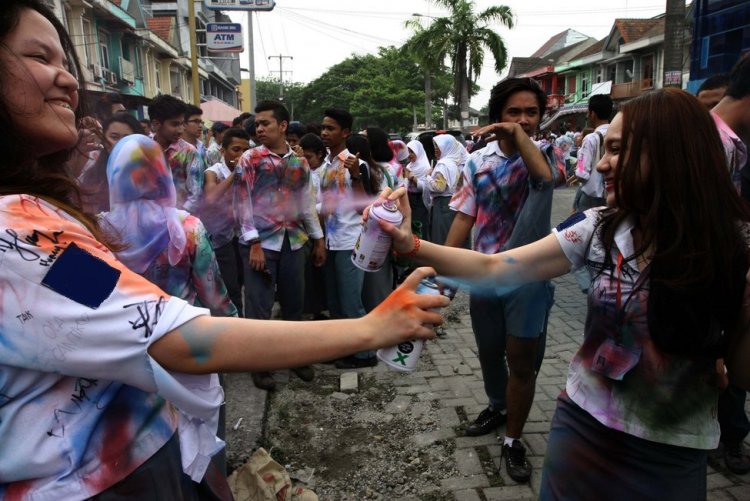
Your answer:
<point x="455" y="387"/>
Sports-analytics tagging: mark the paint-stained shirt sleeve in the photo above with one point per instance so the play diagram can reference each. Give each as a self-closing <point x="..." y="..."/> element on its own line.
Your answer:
<point x="587" y="153"/>
<point x="194" y="184"/>
<point x="574" y="235"/>
<point x="71" y="310"/>
<point x="205" y="275"/>
<point x="464" y="200"/>
<point x="243" y="199"/>
<point x="310" y="217"/>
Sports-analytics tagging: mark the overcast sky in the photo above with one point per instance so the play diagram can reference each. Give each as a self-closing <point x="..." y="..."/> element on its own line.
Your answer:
<point x="321" y="33"/>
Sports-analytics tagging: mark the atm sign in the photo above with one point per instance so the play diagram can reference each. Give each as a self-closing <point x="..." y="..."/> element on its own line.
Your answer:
<point x="224" y="37"/>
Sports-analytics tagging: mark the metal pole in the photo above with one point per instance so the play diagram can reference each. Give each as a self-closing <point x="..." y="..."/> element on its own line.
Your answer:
<point x="251" y="59"/>
<point x="194" y="53"/>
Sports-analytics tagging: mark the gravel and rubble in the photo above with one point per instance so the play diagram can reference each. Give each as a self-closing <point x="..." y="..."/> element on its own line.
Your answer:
<point x="381" y="442"/>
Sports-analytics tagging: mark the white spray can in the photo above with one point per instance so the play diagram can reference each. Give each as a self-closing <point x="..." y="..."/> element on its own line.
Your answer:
<point x="374" y="244"/>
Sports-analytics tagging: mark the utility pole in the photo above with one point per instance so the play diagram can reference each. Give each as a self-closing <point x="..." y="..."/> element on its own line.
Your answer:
<point x="281" y="73"/>
<point x="674" y="30"/>
<point x="194" y="53"/>
<point x="251" y="59"/>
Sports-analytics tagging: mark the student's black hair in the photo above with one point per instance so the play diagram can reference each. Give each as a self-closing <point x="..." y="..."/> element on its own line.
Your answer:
<point x="280" y="113"/>
<point x="166" y="107"/>
<point x="502" y="91"/>
<point x="296" y="128"/>
<point x="103" y="107"/>
<point x="378" y="139"/>
<point x="125" y="118"/>
<point x="219" y="127"/>
<point x="714" y="82"/>
<point x="240" y="120"/>
<point x="231" y="133"/>
<point x="191" y="109"/>
<point x="249" y="125"/>
<point x="601" y="105"/>
<point x="312" y="142"/>
<point x="342" y="117"/>
<point x="739" y="78"/>
<point x="313" y="128"/>
<point x="360" y="144"/>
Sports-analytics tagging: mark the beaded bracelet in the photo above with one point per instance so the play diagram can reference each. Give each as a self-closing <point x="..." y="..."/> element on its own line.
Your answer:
<point x="415" y="249"/>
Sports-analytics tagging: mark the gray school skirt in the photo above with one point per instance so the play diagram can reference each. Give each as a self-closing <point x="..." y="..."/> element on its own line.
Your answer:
<point x="587" y="461"/>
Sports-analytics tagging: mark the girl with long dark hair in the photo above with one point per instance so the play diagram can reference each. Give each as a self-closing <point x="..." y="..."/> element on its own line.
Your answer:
<point x="669" y="257"/>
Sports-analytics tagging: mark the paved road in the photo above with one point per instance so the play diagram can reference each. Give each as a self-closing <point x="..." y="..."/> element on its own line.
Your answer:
<point x="456" y="384"/>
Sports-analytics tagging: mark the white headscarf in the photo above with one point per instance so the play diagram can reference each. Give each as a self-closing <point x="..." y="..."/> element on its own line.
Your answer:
<point x="420" y="167"/>
<point x="142" y="200"/>
<point x="453" y="156"/>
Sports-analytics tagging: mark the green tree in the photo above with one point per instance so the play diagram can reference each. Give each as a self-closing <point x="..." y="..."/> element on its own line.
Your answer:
<point x="379" y="90"/>
<point x="270" y="88"/>
<point x="463" y="36"/>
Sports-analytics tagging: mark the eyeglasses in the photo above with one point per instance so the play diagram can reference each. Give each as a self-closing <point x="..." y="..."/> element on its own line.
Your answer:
<point x="196" y="121"/>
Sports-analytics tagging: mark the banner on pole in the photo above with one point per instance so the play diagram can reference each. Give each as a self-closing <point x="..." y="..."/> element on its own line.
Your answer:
<point x="240" y="4"/>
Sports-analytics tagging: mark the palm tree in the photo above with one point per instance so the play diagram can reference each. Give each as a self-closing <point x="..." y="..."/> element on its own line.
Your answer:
<point x="462" y="36"/>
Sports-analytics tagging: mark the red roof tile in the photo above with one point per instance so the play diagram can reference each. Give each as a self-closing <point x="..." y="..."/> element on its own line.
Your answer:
<point x="594" y="49"/>
<point x="161" y="26"/>
<point x="634" y="29"/>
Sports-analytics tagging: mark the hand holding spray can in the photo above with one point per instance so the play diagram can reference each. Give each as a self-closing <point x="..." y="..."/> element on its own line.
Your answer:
<point x="374" y="245"/>
<point x="404" y="356"/>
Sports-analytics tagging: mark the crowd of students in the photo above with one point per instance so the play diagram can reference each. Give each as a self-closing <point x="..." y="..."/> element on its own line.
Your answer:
<point x="115" y="327"/>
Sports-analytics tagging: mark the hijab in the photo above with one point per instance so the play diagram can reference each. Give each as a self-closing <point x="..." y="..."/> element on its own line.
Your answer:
<point x="453" y="156"/>
<point x="142" y="198"/>
<point x="420" y="167"/>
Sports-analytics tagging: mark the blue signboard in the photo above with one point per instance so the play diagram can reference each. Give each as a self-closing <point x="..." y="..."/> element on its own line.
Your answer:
<point x="224" y="37"/>
<point x="240" y="4"/>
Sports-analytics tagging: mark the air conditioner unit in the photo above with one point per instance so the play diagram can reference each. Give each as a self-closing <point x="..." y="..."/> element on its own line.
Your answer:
<point x="111" y="78"/>
<point x="96" y="71"/>
<point x="127" y="71"/>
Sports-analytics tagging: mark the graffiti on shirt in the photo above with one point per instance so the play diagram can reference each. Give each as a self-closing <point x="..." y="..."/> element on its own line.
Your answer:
<point x="148" y="315"/>
<point x="86" y="391"/>
<point x="66" y="336"/>
<point x="24" y="316"/>
<point x="10" y="243"/>
<point x="13" y="242"/>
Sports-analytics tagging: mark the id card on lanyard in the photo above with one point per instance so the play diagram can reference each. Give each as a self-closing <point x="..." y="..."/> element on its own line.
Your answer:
<point x="614" y="358"/>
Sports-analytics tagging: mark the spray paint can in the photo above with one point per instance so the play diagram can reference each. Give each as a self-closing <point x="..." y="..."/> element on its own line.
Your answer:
<point x="404" y="357"/>
<point x="374" y="245"/>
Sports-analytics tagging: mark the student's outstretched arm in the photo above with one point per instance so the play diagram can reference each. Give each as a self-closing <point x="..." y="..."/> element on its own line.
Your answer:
<point x="207" y="344"/>
<point x="541" y="260"/>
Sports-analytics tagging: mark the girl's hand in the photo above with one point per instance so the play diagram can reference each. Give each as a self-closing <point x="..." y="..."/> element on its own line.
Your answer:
<point x="407" y="314"/>
<point x="403" y="241"/>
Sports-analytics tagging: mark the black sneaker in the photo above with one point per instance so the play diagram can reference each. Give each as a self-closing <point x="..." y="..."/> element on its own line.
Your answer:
<point x="306" y="373"/>
<point x="487" y="421"/>
<point x="516" y="464"/>
<point x="736" y="458"/>
<point x="264" y="381"/>
<point x="356" y="363"/>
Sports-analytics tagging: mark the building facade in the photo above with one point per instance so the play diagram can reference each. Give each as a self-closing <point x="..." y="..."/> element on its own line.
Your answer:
<point x="140" y="49"/>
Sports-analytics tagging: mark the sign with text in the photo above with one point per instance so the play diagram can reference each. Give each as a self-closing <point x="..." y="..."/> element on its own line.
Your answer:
<point x="224" y="37"/>
<point x="672" y="79"/>
<point x="240" y="4"/>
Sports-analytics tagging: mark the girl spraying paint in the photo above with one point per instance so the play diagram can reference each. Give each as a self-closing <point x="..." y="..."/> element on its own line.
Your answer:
<point x="669" y="260"/>
<point x="105" y="384"/>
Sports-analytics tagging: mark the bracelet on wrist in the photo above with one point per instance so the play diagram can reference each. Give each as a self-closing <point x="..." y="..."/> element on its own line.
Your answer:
<point x="414" y="250"/>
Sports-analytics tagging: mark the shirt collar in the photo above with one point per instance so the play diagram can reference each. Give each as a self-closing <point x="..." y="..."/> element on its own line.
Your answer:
<point x="493" y="148"/>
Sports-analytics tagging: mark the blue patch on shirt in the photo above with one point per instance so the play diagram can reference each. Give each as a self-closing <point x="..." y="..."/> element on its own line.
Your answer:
<point x="575" y="218"/>
<point x="81" y="277"/>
